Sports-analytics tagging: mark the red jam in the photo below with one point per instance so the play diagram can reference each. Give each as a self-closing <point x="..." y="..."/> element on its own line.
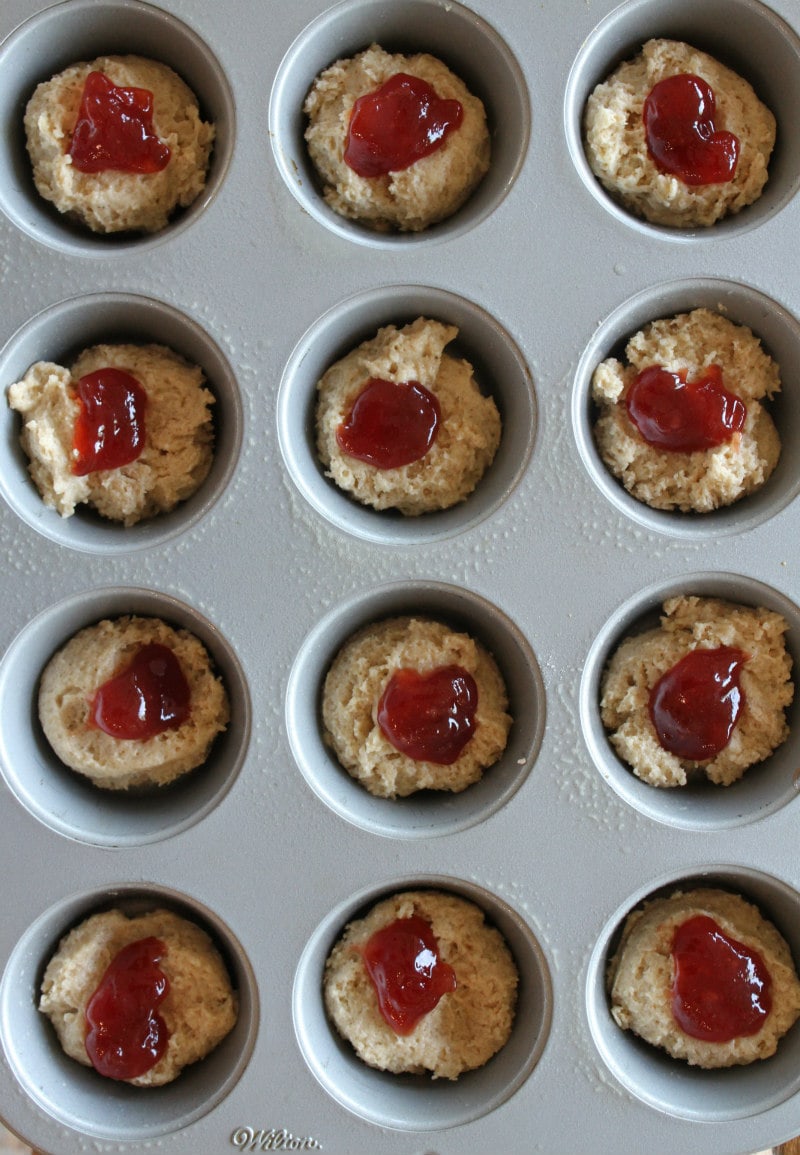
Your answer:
<point x="110" y="427"/>
<point x="695" y="705"/>
<point x="429" y="717"/>
<point x="126" y="1035"/>
<point x="398" y="124"/>
<point x="409" y="978"/>
<point x="721" y="988"/>
<point x="149" y="696"/>
<point x="391" y="424"/>
<point x="681" y="134"/>
<point x="114" y="130"/>
<point x="681" y="416"/>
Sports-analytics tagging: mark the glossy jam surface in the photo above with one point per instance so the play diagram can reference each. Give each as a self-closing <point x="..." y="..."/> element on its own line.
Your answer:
<point x="681" y="134"/>
<point x="114" y="130"/>
<point x="398" y="124"/>
<point x="721" y="988"/>
<point x="682" y="416"/>
<point x="695" y="705"/>
<point x="110" y="429"/>
<point x="429" y="717"/>
<point x="149" y="696"/>
<point x="391" y="424"/>
<point x="126" y="1035"/>
<point x="409" y="978"/>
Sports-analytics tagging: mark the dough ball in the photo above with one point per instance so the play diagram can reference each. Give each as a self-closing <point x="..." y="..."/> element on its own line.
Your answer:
<point x="642" y="972"/>
<point x="467" y="1026"/>
<point x="617" y="151"/>
<point x="101" y="652"/>
<point x="468" y="433"/>
<point x="690" y="623"/>
<point x="706" y="479"/>
<point x="112" y="201"/>
<point x="178" y="450"/>
<point x="353" y="689"/>
<point x="410" y="199"/>
<point x="200" y="1008"/>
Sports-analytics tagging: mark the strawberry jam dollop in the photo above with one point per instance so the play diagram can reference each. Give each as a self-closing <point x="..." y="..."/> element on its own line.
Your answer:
<point x="398" y="124"/>
<point x="681" y="133"/>
<point x="695" y="706"/>
<point x="681" y="416"/>
<point x="409" y="977"/>
<point x="721" y="987"/>
<point x="114" y="130"/>
<point x="110" y="429"/>
<point x="126" y="1035"/>
<point x="391" y="424"/>
<point x="149" y="696"/>
<point x="429" y="717"/>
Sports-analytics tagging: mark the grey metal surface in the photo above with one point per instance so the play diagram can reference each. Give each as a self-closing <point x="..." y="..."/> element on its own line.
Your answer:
<point x="270" y="846"/>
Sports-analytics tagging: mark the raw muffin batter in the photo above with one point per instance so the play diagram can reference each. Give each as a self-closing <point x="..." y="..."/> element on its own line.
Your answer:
<point x="412" y="197"/>
<point x="101" y="740"/>
<point x="355" y="690"/>
<point x="653" y="993"/>
<point x="690" y="345"/>
<point x="621" y="158"/>
<point x="198" y="1011"/>
<point x="474" y="975"/>
<point x="175" y="454"/>
<point x="759" y="685"/>
<point x="110" y="199"/>
<point x="466" y="436"/>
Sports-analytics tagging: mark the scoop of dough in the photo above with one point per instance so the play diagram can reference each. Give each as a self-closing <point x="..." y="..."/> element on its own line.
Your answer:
<point x="690" y="623"/>
<point x="112" y="201"/>
<point x="641" y="973"/>
<point x="353" y="688"/>
<point x="468" y="435"/>
<point x="199" y="1010"/>
<point x="179" y="445"/>
<point x="413" y="198"/>
<point x="94" y="656"/>
<point x="706" y="479"/>
<point x="617" y="151"/>
<point x="467" y="1026"/>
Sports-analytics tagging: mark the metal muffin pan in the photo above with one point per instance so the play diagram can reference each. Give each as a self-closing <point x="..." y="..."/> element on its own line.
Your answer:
<point x="271" y="846"/>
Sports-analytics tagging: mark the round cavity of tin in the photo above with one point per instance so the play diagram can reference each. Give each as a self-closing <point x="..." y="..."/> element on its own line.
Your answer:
<point x="462" y="40"/>
<point x="72" y="805"/>
<point x="59" y="334"/>
<point x="415" y="1102"/>
<point x="500" y="371"/>
<point x="779" y="334"/>
<point x="82" y="30"/>
<point x="699" y="805"/>
<point x="427" y="812"/>
<point x="74" y="1096"/>
<point x="667" y="1084"/>
<point x="746" y="36"/>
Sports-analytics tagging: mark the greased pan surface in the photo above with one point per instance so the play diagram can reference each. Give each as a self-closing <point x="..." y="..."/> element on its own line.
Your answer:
<point x="549" y="564"/>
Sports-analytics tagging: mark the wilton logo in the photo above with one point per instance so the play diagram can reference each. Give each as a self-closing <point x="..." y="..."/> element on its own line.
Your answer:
<point x="248" y="1139"/>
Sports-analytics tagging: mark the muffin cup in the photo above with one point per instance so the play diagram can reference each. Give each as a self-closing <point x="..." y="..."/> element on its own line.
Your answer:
<point x="745" y="35"/>
<point x="77" y="30"/>
<point x="462" y="40"/>
<point x="500" y="371"/>
<point x="699" y="805"/>
<point x="428" y="812"/>
<point x="67" y="802"/>
<point x="415" y="1102"/>
<point x="666" y="1084"/>
<point x="58" y="334"/>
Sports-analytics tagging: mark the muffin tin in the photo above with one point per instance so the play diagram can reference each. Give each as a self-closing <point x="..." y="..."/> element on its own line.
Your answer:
<point x="271" y="847"/>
